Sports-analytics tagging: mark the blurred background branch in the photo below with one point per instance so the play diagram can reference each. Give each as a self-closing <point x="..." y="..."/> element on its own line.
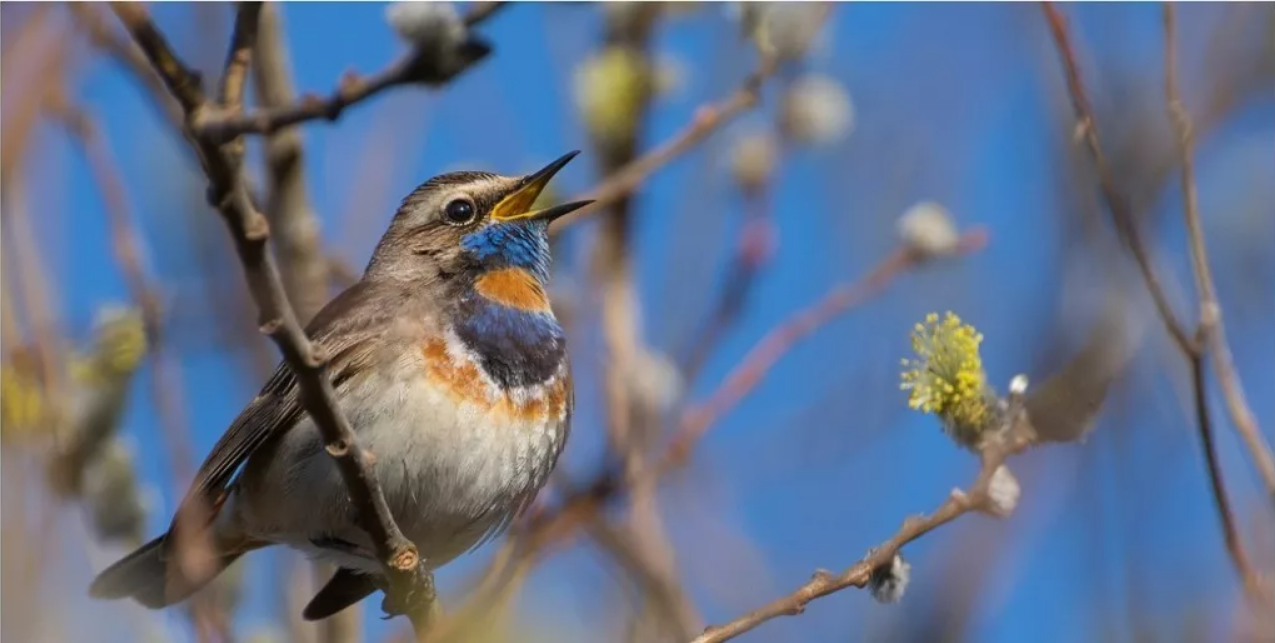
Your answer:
<point x="1189" y="343"/>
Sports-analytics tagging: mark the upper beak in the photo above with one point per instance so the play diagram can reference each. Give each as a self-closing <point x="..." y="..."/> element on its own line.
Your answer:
<point x="517" y="206"/>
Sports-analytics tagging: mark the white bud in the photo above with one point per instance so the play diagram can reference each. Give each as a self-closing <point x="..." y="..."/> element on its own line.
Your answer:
<point x="928" y="228"/>
<point x="656" y="382"/>
<point x="785" y="30"/>
<point x="888" y="583"/>
<point x="817" y="110"/>
<point x="442" y="44"/>
<point x="1018" y="385"/>
<point x="753" y="159"/>
<point x="1003" y="492"/>
<point x="426" y="24"/>
<point x="669" y="76"/>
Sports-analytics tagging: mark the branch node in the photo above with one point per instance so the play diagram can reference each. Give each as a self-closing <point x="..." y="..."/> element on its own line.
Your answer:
<point x="405" y="559"/>
<point x="1081" y="130"/>
<point x="338" y="448"/>
<point x="256" y="228"/>
<point x="317" y="358"/>
<point x="270" y="326"/>
<point x="821" y="576"/>
<point x="1210" y="318"/>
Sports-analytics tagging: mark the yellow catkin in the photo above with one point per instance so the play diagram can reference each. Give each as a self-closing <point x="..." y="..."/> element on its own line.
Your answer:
<point x="946" y="377"/>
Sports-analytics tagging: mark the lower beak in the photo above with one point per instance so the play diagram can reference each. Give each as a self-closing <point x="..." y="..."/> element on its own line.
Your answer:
<point x="517" y="205"/>
<point x="549" y="214"/>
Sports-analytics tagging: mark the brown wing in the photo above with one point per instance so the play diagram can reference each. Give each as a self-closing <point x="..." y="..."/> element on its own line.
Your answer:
<point x="277" y="407"/>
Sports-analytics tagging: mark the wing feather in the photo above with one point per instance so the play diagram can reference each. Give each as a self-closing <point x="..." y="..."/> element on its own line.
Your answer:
<point x="277" y="406"/>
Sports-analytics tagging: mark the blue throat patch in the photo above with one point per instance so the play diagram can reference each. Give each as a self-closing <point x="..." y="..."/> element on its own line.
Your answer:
<point x="517" y="347"/>
<point x="511" y="245"/>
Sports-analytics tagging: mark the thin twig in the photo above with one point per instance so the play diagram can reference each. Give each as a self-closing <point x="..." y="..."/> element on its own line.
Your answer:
<point x="1217" y="484"/>
<point x="126" y="247"/>
<point x="244" y="38"/>
<point x="480" y="11"/>
<point x="352" y="89"/>
<point x="752" y="251"/>
<point x="1117" y="203"/>
<point x="34" y="293"/>
<point x="779" y="340"/>
<point x="1191" y="345"/>
<point x="229" y="194"/>
<point x="1212" y="329"/>
<point x="1016" y="436"/>
<point x="707" y="119"/>
<point x="90" y="19"/>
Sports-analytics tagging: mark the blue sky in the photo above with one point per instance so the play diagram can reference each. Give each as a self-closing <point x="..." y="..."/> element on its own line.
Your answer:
<point x="958" y="104"/>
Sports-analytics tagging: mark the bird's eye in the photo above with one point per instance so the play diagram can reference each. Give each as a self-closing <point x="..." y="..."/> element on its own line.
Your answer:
<point x="459" y="211"/>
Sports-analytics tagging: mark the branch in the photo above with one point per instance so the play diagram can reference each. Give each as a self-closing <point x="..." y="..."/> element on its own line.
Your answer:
<point x="752" y="251"/>
<point x="631" y="425"/>
<point x="350" y="90"/>
<point x="228" y="193"/>
<point x="297" y="239"/>
<point x="707" y="119"/>
<point x="418" y="66"/>
<point x="1191" y="345"/>
<point x="741" y="380"/>
<point x="1212" y="330"/>
<point x="142" y="285"/>
<point x="480" y="11"/>
<point x="126" y="52"/>
<point x="1016" y="435"/>
<point x="298" y="245"/>
<point x="1118" y="205"/>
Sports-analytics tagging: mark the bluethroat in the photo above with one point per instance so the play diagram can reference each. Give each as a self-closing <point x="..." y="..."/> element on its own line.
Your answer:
<point x="453" y="372"/>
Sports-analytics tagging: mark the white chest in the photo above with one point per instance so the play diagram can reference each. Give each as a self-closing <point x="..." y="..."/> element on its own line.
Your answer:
<point x="456" y="456"/>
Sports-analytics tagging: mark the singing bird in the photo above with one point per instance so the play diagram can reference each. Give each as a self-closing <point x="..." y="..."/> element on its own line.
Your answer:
<point x="452" y="370"/>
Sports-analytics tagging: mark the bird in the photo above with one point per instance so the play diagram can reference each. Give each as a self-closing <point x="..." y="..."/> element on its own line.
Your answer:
<point x="447" y="360"/>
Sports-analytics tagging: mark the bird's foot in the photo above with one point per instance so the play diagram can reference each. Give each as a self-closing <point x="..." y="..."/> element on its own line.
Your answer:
<point x="413" y="594"/>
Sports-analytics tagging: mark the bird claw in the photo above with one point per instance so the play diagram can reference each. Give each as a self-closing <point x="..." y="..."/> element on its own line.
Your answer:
<point x="412" y="594"/>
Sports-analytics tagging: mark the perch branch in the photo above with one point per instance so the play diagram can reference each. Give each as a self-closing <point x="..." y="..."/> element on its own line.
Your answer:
<point x="298" y="245"/>
<point x="228" y="193"/>
<point x="1016" y="435"/>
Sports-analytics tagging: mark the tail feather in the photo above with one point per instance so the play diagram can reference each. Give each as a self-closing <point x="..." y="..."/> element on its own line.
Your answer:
<point x="151" y="577"/>
<point x="345" y="588"/>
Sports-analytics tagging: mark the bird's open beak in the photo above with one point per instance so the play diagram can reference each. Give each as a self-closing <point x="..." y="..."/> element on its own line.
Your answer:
<point x="517" y="206"/>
